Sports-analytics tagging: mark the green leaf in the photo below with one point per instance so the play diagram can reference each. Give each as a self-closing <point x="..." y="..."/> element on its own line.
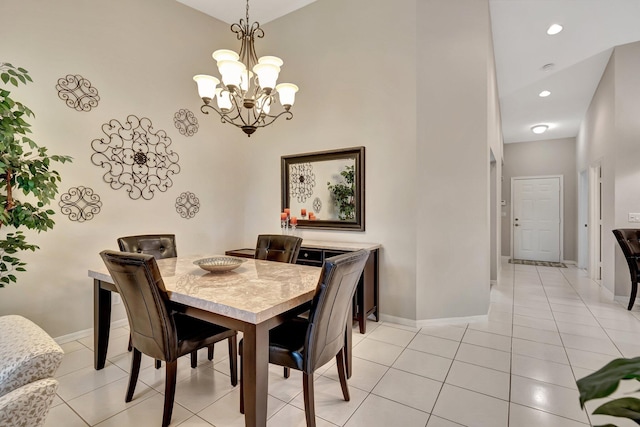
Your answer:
<point x="13" y="81"/>
<point x="605" y="381"/>
<point x="5" y="77"/>
<point x="626" y="407"/>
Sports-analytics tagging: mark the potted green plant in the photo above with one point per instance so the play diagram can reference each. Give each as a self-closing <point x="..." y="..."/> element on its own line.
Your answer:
<point x="343" y="194"/>
<point x="605" y="381"/>
<point x="24" y="168"/>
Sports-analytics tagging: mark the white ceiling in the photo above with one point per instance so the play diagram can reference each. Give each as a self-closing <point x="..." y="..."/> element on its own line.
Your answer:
<point x="580" y="53"/>
<point x="230" y="11"/>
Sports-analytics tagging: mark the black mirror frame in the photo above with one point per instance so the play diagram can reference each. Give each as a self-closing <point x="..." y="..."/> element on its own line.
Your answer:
<point x="353" y="152"/>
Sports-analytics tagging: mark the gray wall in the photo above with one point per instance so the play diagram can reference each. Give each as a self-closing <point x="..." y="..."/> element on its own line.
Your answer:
<point x="537" y="158"/>
<point x="417" y="174"/>
<point x="609" y="135"/>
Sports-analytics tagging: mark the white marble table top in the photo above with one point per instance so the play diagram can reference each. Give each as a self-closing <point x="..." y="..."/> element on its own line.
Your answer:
<point x="254" y="292"/>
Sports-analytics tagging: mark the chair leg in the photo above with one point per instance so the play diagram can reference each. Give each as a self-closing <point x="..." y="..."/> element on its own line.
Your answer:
<point x="241" y="388"/>
<point x="342" y="373"/>
<point x="130" y="347"/>
<point x="169" y="391"/>
<point x="634" y="291"/>
<point x="210" y="352"/>
<point x="309" y="401"/>
<point x="287" y="372"/>
<point x="158" y="364"/>
<point x="233" y="359"/>
<point x="133" y="377"/>
<point x="194" y="359"/>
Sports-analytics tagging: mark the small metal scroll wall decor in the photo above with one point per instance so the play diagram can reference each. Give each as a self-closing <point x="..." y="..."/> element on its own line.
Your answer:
<point x="77" y="92"/>
<point x="186" y="122"/>
<point x="317" y="205"/>
<point x="80" y="204"/>
<point x="136" y="157"/>
<point x="187" y="205"/>
<point x="302" y="181"/>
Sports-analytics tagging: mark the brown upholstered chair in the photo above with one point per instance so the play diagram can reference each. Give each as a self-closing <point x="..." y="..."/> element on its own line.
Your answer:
<point x="307" y="344"/>
<point x="280" y="248"/>
<point x="156" y="329"/>
<point x="160" y="246"/>
<point x="277" y="247"/>
<point x="629" y="241"/>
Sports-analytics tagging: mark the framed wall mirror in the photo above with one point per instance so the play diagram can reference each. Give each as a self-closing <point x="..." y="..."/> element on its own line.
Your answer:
<point x="325" y="189"/>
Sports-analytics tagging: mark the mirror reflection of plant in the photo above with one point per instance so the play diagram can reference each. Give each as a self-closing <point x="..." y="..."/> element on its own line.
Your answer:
<point x="343" y="194"/>
<point x="25" y="167"/>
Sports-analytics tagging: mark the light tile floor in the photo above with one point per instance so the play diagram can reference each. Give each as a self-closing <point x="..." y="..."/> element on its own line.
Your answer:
<point x="546" y="328"/>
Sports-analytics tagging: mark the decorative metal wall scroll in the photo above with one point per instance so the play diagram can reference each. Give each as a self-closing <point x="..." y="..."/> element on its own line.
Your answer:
<point x="77" y="92"/>
<point x="302" y="180"/>
<point x="186" y="122"/>
<point x="317" y="205"/>
<point x="136" y="157"/>
<point x="187" y="205"/>
<point x="80" y="204"/>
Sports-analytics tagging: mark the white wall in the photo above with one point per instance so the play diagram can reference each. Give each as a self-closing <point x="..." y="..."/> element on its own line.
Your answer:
<point x="456" y="111"/>
<point x="358" y="64"/>
<point x="609" y="135"/>
<point x="140" y="55"/>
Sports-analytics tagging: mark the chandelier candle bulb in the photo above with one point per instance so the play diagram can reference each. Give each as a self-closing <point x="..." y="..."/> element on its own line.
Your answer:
<point x="231" y="72"/>
<point x="273" y="60"/>
<point x="287" y="92"/>
<point x="225" y="55"/>
<point x="206" y="86"/>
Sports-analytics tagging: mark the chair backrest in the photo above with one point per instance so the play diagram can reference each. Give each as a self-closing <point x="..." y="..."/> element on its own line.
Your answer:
<point x="330" y="307"/>
<point x="276" y="247"/>
<point x="159" y="245"/>
<point x="629" y="241"/>
<point x="138" y="280"/>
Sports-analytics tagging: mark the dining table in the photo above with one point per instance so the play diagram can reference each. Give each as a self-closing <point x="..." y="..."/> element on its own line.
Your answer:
<point x="253" y="298"/>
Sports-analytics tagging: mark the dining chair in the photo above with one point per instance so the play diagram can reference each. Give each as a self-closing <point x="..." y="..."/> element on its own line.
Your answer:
<point x="277" y="247"/>
<point x="157" y="329"/>
<point x="280" y="248"/>
<point x="306" y="344"/>
<point x="629" y="241"/>
<point x="160" y="246"/>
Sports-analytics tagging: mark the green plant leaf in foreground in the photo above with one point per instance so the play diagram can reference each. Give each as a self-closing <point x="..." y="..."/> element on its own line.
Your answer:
<point x="626" y="407"/>
<point x="605" y="381"/>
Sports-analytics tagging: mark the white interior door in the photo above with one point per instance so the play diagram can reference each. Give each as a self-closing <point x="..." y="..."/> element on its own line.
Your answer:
<point x="536" y="218"/>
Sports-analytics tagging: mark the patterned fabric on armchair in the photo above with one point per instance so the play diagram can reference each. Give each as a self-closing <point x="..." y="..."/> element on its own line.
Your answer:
<point x="29" y="358"/>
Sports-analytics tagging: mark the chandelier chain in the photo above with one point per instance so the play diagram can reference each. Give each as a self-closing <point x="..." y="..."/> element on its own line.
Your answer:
<point x="247" y="12"/>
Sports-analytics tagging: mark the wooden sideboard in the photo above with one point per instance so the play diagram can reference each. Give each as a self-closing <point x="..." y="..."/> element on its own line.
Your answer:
<point x="314" y="252"/>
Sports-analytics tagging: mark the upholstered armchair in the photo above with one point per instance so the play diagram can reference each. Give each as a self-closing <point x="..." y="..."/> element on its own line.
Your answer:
<point x="29" y="358"/>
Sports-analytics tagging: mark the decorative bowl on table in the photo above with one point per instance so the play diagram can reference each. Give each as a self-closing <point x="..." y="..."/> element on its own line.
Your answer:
<point x="219" y="264"/>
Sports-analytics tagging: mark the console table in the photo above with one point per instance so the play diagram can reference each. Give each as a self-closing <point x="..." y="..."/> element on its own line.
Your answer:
<point x="314" y="252"/>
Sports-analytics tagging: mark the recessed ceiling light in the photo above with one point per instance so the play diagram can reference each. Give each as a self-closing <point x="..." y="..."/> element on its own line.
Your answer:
<point x="544" y="94"/>
<point x="554" y="29"/>
<point x="539" y="129"/>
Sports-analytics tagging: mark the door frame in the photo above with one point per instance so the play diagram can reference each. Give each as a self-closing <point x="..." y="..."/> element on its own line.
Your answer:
<point x="561" y="204"/>
<point x="595" y="221"/>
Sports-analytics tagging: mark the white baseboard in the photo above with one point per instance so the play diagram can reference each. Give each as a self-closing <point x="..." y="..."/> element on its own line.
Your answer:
<point x="432" y="322"/>
<point x="86" y="332"/>
<point x="570" y="262"/>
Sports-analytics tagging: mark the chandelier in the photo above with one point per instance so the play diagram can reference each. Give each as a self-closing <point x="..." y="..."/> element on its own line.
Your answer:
<point x="247" y="90"/>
